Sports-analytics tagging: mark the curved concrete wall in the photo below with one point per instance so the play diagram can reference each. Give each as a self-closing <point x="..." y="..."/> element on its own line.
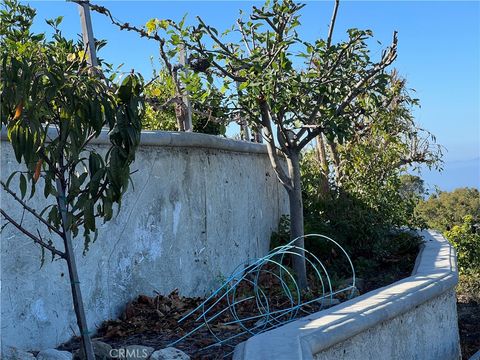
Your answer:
<point x="201" y="205"/>
<point x="414" y="318"/>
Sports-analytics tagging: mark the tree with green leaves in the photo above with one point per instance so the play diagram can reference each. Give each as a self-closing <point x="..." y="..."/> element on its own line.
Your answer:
<point x="176" y="96"/>
<point x="412" y="186"/>
<point x="208" y="115"/>
<point x="53" y="105"/>
<point x="466" y="239"/>
<point x="384" y="140"/>
<point x="445" y="209"/>
<point x="360" y="188"/>
<point x="292" y="89"/>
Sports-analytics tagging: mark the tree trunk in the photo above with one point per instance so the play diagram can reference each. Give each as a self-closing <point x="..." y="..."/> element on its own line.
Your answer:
<point x="336" y="163"/>
<point x="323" y="164"/>
<point x="293" y="184"/>
<point x="187" y="118"/>
<point x="296" y="218"/>
<point x="73" y="274"/>
<point x="180" y="116"/>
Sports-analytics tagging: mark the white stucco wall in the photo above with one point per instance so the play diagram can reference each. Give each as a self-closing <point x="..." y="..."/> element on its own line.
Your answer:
<point x="201" y="205"/>
<point x="426" y="332"/>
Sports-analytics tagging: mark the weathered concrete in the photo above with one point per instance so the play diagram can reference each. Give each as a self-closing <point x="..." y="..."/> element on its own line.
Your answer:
<point x="428" y="331"/>
<point x="53" y="354"/>
<point x="11" y="353"/>
<point x="169" y="353"/>
<point x="414" y="318"/>
<point x="201" y="204"/>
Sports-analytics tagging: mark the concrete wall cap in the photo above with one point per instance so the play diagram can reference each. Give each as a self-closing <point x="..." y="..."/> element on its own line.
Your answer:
<point x="179" y="139"/>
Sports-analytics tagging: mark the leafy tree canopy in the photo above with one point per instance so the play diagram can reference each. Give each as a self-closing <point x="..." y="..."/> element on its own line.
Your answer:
<point x="208" y="115"/>
<point x="444" y="210"/>
<point x="53" y="105"/>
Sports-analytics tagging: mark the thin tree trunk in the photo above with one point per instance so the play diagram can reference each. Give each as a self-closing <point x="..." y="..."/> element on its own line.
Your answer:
<point x="293" y="184"/>
<point x="332" y="147"/>
<point x="180" y="115"/>
<point x="257" y="134"/>
<point x="296" y="219"/>
<point x="323" y="164"/>
<point x="73" y="274"/>
<point x="244" y="130"/>
<point x="187" y="117"/>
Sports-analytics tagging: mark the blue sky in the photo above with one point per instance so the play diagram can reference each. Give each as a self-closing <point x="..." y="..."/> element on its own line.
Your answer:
<point x="438" y="53"/>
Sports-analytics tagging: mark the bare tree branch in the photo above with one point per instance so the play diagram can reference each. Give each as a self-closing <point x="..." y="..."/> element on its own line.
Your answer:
<point x="332" y="23"/>
<point x="30" y="210"/>
<point x="212" y="35"/>
<point x="310" y="136"/>
<point x="45" y="245"/>
<point x="199" y="48"/>
<point x="388" y="57"/>
<point x="244" y="36"/>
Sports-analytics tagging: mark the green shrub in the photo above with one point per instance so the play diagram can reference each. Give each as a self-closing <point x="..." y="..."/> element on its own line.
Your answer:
<point x="162" y="89"/>
<point x="395" y="250"/>
<point x="466" y="240"/>
<point x="443" y="210"/>
<point x="469" y="286"/>
<point x="362" y="213"/>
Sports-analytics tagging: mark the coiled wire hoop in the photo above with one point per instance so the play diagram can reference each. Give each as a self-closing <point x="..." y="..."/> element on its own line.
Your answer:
<point x="268" y="285"/>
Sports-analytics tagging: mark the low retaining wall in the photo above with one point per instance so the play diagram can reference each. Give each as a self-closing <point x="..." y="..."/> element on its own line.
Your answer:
<point x="201" y="205"/>
<point x="414" y="318"/>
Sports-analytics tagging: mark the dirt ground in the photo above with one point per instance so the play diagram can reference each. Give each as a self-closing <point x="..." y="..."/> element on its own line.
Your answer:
<point x="154" y="321"/>
<point x="469" y="325"/>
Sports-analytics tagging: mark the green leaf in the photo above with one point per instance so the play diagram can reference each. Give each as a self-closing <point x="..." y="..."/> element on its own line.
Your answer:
<point x="42" y="256"/>
<point x="58" y="20"/>
<point x="32" y="191"/>
<point x="125" y="89"/>
<point x="163" y="24"/>
<point x="182" y="22"/>
<point x="89" y="215"/>
<point x="175" y="39"/>
<point x="45" y="209"/>
<point x="94" y="163"/>
<point x="47" y="190"/>
<point x="23" y="185"/>
<point x="10" y="178"/>
<point x="107" y="210"/>
<point x="53" y="217"/>
<point x="223" y="89"/>
<point x="243" y="85"/>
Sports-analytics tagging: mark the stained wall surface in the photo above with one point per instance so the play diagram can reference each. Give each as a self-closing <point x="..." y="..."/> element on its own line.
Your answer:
<point x="200" y="205"/>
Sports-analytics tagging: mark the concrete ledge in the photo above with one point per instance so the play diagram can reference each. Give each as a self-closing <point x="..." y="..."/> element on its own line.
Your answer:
<point x="180" y="139"/>
<point x="435" y="274"/>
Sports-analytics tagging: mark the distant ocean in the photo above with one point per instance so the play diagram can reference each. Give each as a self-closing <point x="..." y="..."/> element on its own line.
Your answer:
<point x="455" y="174"/>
